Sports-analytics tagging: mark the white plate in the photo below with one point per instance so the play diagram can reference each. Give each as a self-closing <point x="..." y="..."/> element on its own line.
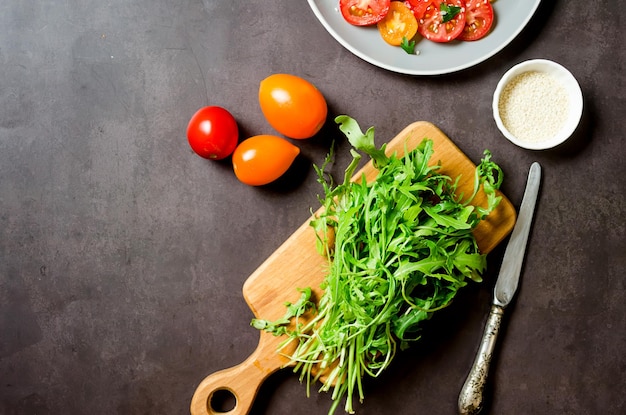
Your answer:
<point x="511" y="16"/>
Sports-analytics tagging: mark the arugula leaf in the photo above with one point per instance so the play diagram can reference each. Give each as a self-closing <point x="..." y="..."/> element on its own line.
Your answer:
<point x="448" y="12"/>
<point x="408" y="46"/>
<point x="278" y="327"/>
<point x="360" y="141"/>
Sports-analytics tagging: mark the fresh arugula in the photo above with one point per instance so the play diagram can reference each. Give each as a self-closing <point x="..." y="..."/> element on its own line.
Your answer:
<point x="448" y="12"/>
<point x="403" y="246"/>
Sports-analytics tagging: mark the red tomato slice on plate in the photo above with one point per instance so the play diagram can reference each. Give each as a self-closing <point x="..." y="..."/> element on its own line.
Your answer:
<point x="363" y="12"/>
<point x="478" y="19"/>
<point x="432" y="25"/>
<point x="417" y="7"/>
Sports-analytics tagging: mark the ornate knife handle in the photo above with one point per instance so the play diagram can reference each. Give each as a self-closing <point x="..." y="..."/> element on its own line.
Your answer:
<point x="472" y="393"/>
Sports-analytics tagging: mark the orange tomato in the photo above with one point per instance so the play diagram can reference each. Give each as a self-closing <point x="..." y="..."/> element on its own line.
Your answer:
<point x="400" y="22"/>
<point x="292" y="105"/>
<point x="262" y="159"/>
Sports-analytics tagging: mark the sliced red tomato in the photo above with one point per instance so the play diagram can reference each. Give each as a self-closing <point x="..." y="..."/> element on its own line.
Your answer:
<point x="398" y="24"/>
<point x="418" y="7"/>
<point x="432" y="25"/>
<point x="478" y="19"/>
<point x="363" y="12"/>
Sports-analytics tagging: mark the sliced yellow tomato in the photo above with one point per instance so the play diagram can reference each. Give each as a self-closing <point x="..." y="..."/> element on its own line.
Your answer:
<point x="399" y="23"/>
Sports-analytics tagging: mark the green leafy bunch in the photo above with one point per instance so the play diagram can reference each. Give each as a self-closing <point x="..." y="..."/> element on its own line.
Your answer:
<point x="403" y="246"/>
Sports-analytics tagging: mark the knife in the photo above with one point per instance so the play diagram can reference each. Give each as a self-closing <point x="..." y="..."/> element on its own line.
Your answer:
<point x="471" y="396"/>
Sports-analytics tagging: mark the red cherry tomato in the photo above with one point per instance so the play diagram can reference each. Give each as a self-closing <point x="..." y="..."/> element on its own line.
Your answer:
<point x="212" y="133"/>
<point x="478" y="19"/>
<point x="262" y="159"/>
<point x="432" y="26"/>
<point x="363" y="12"/>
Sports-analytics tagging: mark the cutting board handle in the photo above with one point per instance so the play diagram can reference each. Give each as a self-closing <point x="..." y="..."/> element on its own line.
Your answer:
<point x="242" y="381"/>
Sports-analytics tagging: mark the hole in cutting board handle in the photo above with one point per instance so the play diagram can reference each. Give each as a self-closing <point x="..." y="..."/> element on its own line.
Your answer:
<point x="221" y="401"/>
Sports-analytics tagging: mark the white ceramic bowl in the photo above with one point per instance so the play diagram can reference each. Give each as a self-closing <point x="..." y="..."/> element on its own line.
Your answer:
<point x="530" y="130"/>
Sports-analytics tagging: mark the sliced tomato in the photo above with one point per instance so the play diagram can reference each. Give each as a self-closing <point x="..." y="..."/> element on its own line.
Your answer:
<point x="478" y="19"/>
<point x="418" y="7"/>
<point x="399" y="23"/>
<point x="363" y="12"/>
<point x="432" y="26"/>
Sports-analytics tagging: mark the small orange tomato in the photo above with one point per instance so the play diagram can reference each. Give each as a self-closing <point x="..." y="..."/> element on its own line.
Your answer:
<point x="400" y="22"/>
<point x="262" y="159"/>
<point x="292" y="105"/>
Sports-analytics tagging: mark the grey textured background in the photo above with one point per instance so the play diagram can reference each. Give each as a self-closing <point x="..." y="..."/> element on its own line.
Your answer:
<point x="122" y="254"/>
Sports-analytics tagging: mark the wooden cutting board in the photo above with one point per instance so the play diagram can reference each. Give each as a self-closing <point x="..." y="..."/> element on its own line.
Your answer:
<point x="297" y="264"/>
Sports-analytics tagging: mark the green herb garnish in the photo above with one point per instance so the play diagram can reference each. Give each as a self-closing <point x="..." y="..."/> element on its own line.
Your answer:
<point x="448" y="12"/>
<point x="408" y="45"/>
<point x="403" y="247"/>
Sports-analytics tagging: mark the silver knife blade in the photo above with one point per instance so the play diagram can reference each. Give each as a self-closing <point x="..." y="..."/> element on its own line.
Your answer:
<point x="511" y="267"/>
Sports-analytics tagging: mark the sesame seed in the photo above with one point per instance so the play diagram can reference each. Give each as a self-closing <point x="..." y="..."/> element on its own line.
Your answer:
<point x="534" y="106"/>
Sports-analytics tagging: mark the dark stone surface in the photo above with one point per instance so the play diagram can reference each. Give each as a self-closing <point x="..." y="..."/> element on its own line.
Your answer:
<point x="122" y="254"/>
